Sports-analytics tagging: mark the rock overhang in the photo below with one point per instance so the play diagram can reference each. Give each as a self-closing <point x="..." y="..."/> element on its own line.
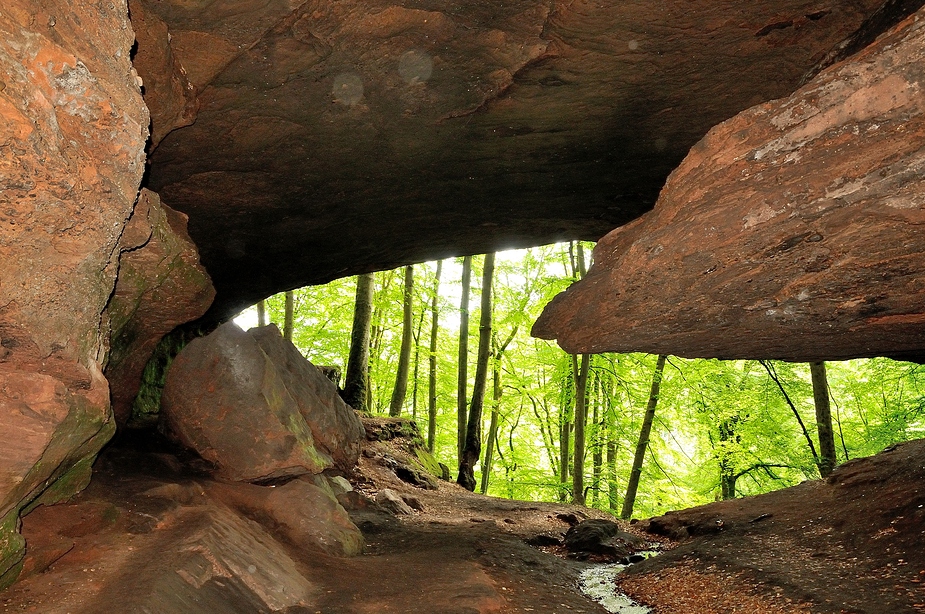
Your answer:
<point x="332" y="139"/>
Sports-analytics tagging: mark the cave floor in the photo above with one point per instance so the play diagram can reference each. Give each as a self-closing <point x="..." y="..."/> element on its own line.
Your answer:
<point x="854" y="543"/>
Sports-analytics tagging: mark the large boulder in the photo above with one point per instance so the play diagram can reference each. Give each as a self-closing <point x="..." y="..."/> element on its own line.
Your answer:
<point x="160" y="286"/>
<point x="603" y="537"/>
<point x="72" y="135"/>
<point x="791" y="231"/>
<point x="245" y="403"/>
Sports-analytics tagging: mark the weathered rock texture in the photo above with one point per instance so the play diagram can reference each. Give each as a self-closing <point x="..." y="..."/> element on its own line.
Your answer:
<point x="160" y="286"/>
<point x="245" y="403"/>
<point x="72" y="134"/>
<point x="449" y="127"/>
<point x="793" y="231"/>
<point x="168" y="93"/>
<point x="300" y="513"/>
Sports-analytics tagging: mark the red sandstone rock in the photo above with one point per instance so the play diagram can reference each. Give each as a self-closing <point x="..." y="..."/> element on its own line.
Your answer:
<point x="334" y="425"/>
<point x="299" y="512"/>
<point x="168" y="93"/>
<point x="793" y="230"/>
<point x="239" y="406"/>
<point x="72" y="134"/>
<point x="49" y="440"/>
<point x="160" y="286"/>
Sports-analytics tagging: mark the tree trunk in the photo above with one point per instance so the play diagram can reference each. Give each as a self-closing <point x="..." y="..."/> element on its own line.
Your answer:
<point x="462" y="382"/>
<point x="417" y="364"/>
<point x="827" y="458"/>
<point x="261" y="312"/>
<point x="581" y="405"/>
<point x="612" y="491"/>
<point x="643" y="443"/>
<point x="404" y="355"/>
<point x="493" y="425"/>
<point x="597" y="449"/>
<point x="565" y="438"/>
<point x="473" y="444"/>
<point x="727" y="474"/>
<point x="356" y="381"/>
<point x="432" y="359"/>
<point x="288" y="317"/>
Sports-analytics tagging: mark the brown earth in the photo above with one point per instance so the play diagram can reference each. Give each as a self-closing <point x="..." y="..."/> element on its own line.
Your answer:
<point x="852" y="543"/>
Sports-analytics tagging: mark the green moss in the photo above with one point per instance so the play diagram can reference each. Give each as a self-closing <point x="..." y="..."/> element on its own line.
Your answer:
<point x="69" y="484"/>
<point x="147" y="405"/>
<point x="12" y="549"/>
<point x="276" y="395"/>
<point x="427" y="461"/>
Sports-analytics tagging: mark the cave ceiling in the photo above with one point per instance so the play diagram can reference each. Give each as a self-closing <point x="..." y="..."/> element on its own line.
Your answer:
<point x="312" y="140"/>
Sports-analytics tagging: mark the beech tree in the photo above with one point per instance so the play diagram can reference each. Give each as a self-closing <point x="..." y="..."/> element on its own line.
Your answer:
<point x="404" y="356"/>
<point x="827" y="457"/>
<point x="432" y="362"/>
<point x="642" y="445"/>
<point x="472" y="448"/>
<point x="261" y="313"/>
<point x="356" y="382"/>
<point x="462" y="379"/>
<point x="288" y="316"/>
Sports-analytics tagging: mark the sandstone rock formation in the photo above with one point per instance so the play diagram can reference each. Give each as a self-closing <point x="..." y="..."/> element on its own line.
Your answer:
<point x="450" y="127"/>
<point x="334" y="425"/>
<point x="792" y="231"/>
<point x="160" y="286"/>
<point x="243" y="401"/>
<point x="303" y="514"/>
<point x="72" y="140"/>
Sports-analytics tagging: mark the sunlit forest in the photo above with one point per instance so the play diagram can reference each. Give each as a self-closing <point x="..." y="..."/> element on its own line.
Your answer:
<point x="719" y="429"/>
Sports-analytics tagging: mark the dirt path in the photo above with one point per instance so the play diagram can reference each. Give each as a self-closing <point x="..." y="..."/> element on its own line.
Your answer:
<point x="855" y="543"/>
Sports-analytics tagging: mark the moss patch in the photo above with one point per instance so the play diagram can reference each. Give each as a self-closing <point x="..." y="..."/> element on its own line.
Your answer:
<point x="12" y="549"/>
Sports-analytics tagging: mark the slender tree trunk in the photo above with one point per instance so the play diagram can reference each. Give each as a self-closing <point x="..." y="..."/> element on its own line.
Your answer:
<point x="356" y="381"/>
<point x="432" y="360"/>
<point x="581" y="407"/>
<point x="262" y="312"/>
<point x="727" y="474"/>
<point x="462" y="382"/>
<point x="288" y="317"/>
<point x="772" y="373"/>
<point x="827" y="458"/>
<point x="404" y="355"/>
<point x="565" y="439"/>
<point x="493" y="425"/>
<point x="597" y="450"/>
<point x="643" y="443"/>
<point x="612" y="491"/>
<point x="473" y="445"/>
<point x="417" y="364"/>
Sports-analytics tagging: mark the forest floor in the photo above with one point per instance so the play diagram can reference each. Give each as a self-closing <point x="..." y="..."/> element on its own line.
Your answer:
<point x="853" y="543"/>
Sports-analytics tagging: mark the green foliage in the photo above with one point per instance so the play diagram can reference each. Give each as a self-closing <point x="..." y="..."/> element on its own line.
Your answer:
<point x="717" y="422"/>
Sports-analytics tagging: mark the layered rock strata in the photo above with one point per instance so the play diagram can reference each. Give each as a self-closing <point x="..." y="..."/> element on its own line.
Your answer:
<point x="791" y="231"/>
